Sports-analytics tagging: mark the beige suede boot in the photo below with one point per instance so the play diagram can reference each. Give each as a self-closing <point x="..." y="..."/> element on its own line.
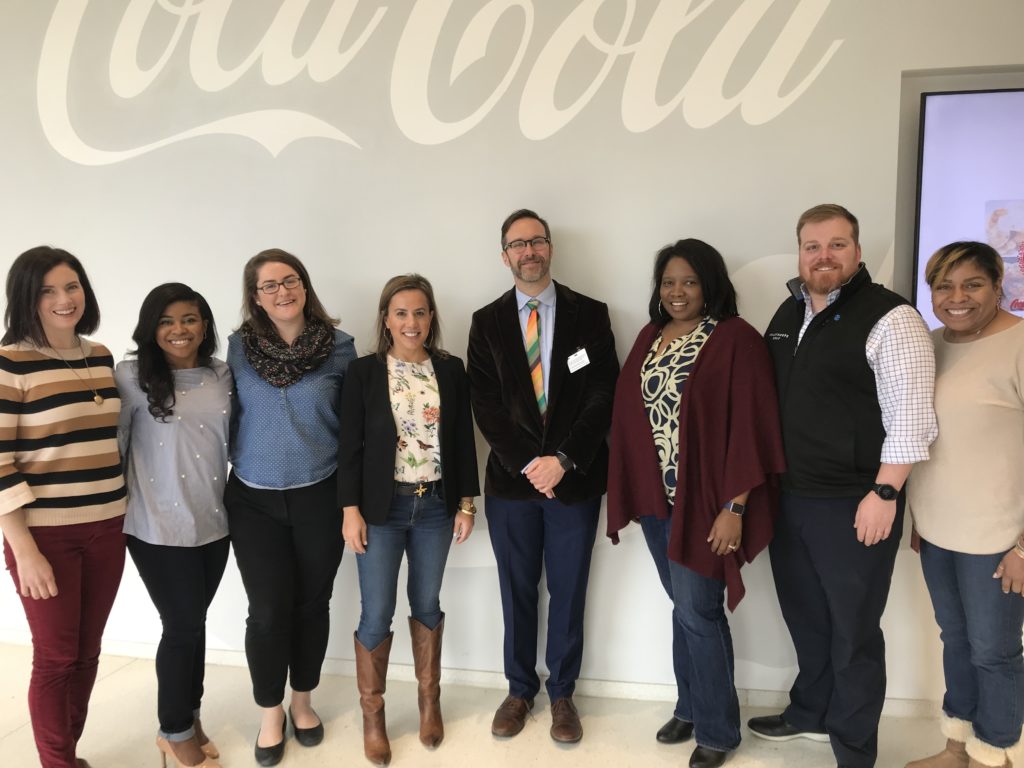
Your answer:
<point x="984" y="755"/>
<point x="1015" y="754"/>
<point x="955" y="754"/>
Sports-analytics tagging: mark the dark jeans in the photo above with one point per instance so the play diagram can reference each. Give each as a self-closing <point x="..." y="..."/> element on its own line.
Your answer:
<point x="525" y="536"/>
<point x="981" y="642"/>
<point x="87" y="561"/>
<point x="421" y="529"/>
<point x="702" y="654"/>
<point x="832" y="590"/>
<point x="181" y="582"/>
<point x="288" y="548"/>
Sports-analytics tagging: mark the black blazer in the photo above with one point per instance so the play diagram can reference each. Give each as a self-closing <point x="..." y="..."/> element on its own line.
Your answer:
<point x="579" y="403"/>
<point x="366" y="448"/>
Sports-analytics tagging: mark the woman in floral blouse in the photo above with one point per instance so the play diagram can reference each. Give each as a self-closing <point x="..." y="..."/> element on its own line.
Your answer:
<point x="407" y="477"/>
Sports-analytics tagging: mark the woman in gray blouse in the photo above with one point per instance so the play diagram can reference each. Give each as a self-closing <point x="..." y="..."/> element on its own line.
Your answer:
<point x="176" y="406"/>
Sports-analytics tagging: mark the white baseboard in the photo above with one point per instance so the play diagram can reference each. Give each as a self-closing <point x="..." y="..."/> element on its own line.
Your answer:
<point x="611" y="689"/>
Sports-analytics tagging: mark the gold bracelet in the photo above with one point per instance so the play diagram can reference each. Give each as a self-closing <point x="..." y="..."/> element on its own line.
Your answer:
<point x="1019" y="551"/>
<point x="467" y="508"/>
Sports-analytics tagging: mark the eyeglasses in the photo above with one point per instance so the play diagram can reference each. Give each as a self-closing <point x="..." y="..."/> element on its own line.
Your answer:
<point x="272" y="286"/>
<point x="537" y="244"/>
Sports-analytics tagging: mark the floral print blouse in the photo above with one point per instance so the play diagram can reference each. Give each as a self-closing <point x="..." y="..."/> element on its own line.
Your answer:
<point x="416" y="405"/>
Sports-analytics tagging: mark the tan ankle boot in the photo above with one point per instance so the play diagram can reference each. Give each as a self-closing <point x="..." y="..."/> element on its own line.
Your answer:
<point x="426" y="655"/>
<point x="371" y="680"/>
<point x="953" y="756"/>
<point x="984" y="755"/>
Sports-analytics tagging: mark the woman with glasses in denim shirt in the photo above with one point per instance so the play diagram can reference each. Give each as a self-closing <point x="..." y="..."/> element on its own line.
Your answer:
<point x="289" y="362"/>
<point x="407" y="475"/>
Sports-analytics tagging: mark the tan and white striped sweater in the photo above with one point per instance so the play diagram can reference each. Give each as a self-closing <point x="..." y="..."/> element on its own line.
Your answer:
<point x="58" y="447"/>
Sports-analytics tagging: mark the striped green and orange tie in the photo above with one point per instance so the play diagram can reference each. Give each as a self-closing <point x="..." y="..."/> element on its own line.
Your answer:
<point x="533" y="355"/>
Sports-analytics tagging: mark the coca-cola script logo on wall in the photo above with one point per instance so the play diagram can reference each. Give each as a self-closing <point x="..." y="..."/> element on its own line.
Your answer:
<point x="200" y="25"/>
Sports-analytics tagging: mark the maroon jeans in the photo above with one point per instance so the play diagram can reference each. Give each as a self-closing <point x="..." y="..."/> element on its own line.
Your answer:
<point x="87" y="561"/>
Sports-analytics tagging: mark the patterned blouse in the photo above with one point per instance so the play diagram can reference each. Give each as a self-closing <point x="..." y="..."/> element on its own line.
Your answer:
<point x="661" y="380"/>
<point x="416" y="405"/>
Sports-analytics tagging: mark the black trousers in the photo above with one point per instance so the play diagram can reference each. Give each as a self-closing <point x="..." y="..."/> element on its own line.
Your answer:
<point x="832" y="590"/>
<point x="288" y="548"/>
<point x="181" y="582"/>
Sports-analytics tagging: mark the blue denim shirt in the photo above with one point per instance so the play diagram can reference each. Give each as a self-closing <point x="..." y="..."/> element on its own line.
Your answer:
<point x="287" y="437"/>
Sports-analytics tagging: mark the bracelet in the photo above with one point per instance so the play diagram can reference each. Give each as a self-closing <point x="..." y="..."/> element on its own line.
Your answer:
<point x="469" y="508"/>
<point x="1018" y="550"/>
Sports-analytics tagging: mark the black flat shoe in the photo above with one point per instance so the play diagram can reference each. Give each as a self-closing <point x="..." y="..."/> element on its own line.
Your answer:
<point x="308" y="737"/>
<point x="703" y="757"/>
<point x="271" y="755"/>
<point x="675" y="731"/>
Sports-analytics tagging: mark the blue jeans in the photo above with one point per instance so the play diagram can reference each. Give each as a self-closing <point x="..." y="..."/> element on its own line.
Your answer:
<point x="702" y="654"/>
<point x="981" y="642"/>
<point x="422" y="530"/>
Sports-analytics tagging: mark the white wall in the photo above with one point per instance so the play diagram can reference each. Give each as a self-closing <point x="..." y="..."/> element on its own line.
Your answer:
<point x="160" y="147"/>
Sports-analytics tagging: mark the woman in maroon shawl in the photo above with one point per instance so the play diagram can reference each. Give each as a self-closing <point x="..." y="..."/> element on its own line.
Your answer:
<point x="695" y="450"/>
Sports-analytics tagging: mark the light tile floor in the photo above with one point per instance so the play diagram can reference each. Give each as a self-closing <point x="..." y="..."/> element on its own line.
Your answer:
<point x="619" y="733"/>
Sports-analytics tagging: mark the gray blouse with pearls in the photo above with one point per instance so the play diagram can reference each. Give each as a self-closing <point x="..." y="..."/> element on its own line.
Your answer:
<point x="175" y="469"/>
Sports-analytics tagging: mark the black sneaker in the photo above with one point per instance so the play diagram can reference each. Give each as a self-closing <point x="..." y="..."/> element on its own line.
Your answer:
<point x="774" y="728"/>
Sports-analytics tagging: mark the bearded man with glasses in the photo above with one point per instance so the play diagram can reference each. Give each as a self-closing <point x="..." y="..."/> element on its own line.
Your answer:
<point x="542" y="371"/>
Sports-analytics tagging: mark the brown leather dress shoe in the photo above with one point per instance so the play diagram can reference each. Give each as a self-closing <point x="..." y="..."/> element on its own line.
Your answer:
<point x="510" y="717"/>
<point x="565" y="721"/>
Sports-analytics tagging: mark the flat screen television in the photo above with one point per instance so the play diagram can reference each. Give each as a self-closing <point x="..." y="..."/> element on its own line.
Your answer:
<point x="971" y="183"/>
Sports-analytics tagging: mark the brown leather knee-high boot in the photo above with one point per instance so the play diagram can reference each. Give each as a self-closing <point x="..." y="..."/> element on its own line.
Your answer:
<point x="371" y="680"/>
<point x="426" y="655"/>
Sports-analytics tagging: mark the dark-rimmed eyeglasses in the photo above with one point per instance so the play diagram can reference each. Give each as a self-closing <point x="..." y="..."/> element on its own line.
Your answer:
<point x="272" y="286"/>
<point x="537" y="244"/>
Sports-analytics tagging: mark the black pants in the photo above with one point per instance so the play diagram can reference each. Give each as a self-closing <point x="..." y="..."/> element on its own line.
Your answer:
<point x="832" y="590"/>
<point x="181" y="582"/>
<point x="288" y="548"/>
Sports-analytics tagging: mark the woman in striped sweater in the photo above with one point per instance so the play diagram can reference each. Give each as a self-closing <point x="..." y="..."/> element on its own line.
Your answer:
<point x="62" y="496"/>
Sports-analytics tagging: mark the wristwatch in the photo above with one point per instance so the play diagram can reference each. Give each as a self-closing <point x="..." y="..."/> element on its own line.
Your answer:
<point x="885" y="491"/>
<point x="736" y="508"/>
<point x="565" y="461"/>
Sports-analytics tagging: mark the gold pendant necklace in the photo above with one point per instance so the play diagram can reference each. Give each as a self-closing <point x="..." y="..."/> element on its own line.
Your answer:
<point x="96" y="396"/>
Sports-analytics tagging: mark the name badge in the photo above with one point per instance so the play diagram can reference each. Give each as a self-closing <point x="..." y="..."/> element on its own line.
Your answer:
<point x="578" y="359"/>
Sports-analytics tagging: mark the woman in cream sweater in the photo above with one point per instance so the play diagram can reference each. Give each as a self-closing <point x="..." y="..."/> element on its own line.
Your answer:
<point x="968" y="506"/>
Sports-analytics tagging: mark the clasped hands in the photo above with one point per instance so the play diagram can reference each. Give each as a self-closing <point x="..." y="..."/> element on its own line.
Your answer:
<point x="544" y="473"/>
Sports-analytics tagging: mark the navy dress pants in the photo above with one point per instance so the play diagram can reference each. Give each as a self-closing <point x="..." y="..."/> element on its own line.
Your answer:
<point x="525" y="536"/>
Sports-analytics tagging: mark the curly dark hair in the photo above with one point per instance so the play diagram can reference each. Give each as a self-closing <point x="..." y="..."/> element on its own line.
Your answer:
<point x="707" y="262"/>
<point x="156" y="378"/>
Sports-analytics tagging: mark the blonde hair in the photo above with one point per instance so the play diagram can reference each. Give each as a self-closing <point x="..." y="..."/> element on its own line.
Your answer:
<point x="950" y="256"/>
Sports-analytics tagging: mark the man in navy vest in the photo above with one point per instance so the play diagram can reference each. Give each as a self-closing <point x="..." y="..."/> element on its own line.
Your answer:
<point x="855" y="370"/>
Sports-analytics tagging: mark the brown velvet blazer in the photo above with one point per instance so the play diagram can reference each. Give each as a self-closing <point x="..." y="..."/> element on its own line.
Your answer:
<point x="579" y="403"/>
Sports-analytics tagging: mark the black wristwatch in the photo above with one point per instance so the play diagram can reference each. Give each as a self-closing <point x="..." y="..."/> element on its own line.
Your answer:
<point x="735" y="507"/>
<point x="885" y="491"/>
<point x="565" y="461"/>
